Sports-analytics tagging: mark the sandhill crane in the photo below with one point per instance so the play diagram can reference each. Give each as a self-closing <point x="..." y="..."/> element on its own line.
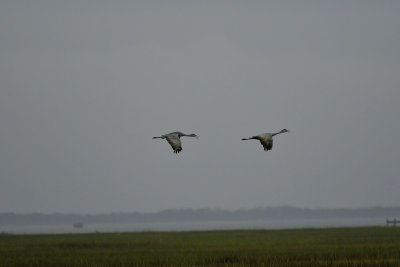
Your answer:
<point x="266" y="138"/>
<point x="174" y="140"/>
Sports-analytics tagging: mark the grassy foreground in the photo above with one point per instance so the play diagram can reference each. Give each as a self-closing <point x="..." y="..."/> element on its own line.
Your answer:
<point x="365" y="246"/>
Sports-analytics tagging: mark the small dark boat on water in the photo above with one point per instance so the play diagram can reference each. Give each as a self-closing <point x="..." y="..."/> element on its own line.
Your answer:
<point x="78" y="225"/>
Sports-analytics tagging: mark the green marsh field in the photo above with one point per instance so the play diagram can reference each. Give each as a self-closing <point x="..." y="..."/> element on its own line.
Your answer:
<point x="364" y="246"/>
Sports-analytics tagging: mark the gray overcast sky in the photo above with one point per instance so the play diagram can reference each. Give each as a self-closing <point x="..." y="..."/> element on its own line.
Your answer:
<point x="85" y="85"/>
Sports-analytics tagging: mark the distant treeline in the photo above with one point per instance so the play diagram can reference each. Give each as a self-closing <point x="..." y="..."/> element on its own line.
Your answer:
<point x="175" y="215"/>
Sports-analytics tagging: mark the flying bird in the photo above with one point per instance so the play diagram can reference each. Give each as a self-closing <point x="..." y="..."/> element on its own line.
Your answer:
<point x="174" y="140"/>
<point x="266" y="138"/>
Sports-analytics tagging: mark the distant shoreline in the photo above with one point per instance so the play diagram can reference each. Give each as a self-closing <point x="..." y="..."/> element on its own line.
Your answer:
<point x="205" y="214"/>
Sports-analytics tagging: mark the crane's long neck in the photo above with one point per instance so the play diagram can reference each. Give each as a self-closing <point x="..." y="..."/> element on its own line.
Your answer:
<point x="189" y="135"/>
<point x="281" y="131"/>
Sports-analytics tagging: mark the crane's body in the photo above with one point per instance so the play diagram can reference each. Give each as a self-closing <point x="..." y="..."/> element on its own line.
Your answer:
<point x="266" y="139"/>
<point x="174" y="140"/>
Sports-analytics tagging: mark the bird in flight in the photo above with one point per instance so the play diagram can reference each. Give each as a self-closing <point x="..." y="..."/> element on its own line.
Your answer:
<point x="174" y="140"/>
<point x="266" y="139"/>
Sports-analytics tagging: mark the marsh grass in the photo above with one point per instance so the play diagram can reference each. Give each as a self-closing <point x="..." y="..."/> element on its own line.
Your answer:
<point x="366" y="246"/>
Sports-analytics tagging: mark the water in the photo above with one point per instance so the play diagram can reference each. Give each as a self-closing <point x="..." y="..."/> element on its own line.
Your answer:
<point x="193" y="226"/>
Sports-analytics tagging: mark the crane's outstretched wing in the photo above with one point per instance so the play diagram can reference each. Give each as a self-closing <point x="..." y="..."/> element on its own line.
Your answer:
<point x="175" y="142"/>
<point x="266" y="143"/>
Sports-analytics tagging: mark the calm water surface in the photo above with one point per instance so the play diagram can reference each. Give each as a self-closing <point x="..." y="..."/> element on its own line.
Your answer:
<point x="194" y="226"/>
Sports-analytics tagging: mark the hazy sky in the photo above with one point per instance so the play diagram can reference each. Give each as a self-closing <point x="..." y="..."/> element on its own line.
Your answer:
<point x="85" y="85"/>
